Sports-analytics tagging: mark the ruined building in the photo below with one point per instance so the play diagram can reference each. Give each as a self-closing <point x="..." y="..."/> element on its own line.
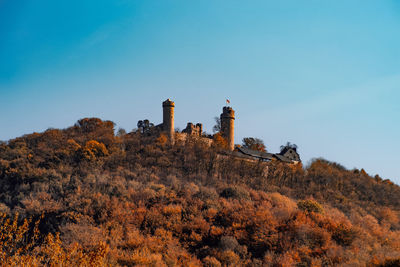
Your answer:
<point x="290" y="152"/>
<point x="192" y="129"/>
<point x="287" y="155"/>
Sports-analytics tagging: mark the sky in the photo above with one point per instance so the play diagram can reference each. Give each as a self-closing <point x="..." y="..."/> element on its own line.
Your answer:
<point x="324" y="75"/>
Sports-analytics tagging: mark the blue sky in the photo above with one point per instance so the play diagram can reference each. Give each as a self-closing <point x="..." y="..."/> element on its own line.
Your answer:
<point x="322" y="74"/>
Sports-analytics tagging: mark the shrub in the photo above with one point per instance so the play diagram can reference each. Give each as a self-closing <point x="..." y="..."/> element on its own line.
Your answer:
<point x="207" y="193"/>
<point x="162" y="139"/>
<point x="92" y="151"/>
<point x="20" y="246"/>
<point x="4" y="208"/>
<point x="235" y="192"/>
<point x="390" y="263"/>
<point x="219" y="141"/>
<point x="229" y="258"/>
<point x="228" y="243"/>
<point x="309" y="206"/>
<point x="343" y="235"/>
<point x="211" y="262"/>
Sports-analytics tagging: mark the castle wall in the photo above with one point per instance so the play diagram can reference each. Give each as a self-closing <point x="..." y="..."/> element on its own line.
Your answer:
<point x="181" y="138"/>
<point x="194" y="129"/>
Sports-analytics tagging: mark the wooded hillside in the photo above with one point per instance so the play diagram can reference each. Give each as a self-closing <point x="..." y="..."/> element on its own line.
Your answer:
<point x="92" y="198"/>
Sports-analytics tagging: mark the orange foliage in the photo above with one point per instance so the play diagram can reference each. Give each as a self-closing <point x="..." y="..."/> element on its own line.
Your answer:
<point x="21" y="247"/>
<point x="133" y="200"/>
<point x="219" y="141"/>
<point x="93" y="150"/>
<point x="162" y="140"/>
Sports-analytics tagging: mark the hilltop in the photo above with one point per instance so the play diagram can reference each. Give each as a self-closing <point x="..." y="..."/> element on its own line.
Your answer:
<point x="138" y="199"/>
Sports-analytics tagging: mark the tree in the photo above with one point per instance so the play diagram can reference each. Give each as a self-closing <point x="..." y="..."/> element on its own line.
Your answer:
<point x="92" y="150"/>
<point x="121" y="132"/>
<point x="217" y="126"/>
<point x="219" y="141"/>
<point x="94" y="124"/>
<point x="144" y="125"/>
<point x="253" y="144"/>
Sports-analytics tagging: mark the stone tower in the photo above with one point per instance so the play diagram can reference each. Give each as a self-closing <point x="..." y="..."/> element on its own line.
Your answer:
<point x="227" y="126"/>
<point x="168" y="118"/>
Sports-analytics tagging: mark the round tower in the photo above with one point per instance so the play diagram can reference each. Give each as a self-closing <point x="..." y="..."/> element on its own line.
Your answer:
<point x="168" y="118"/>
<point x="227" y="126"/>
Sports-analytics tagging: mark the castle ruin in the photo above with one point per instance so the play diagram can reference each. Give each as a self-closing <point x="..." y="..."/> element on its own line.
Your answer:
<point x="227" y="131"/>
<point x="191" y="129"/>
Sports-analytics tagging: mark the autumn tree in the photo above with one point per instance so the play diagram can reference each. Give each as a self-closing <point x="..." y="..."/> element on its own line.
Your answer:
<point x="121" y="132"/>
<point x="254" y="144"/>
<point x="219" y="141"/>
<point x="92" y="150"/>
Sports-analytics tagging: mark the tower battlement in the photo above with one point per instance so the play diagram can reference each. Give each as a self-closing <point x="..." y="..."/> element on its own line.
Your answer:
<point x="228" y="112"/>
<point x="168" y="103"/>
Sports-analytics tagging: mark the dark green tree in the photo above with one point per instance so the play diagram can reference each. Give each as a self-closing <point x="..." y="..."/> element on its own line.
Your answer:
<point x="217" y="126"/>
<point x="144" y="126"/>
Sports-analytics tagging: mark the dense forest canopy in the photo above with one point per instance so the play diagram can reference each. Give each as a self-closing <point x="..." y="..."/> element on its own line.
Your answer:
<point x="86" y="196"/>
